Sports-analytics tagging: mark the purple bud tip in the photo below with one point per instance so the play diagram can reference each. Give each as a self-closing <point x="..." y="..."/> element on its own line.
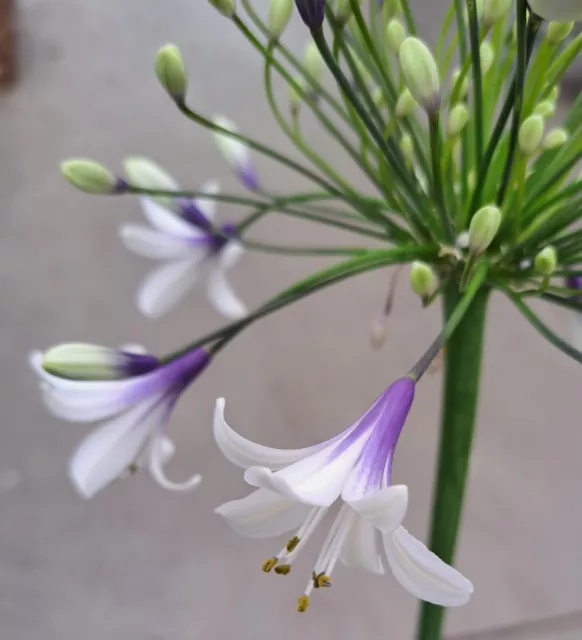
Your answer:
<point x="312" y="12"/>
<point x="191" y="212"/>
<point x="248" y="176"/>
<point x="121" y="186"/>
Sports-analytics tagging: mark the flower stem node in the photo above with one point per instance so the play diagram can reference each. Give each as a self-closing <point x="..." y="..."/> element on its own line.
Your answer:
<point x="558" y="31"/>
<point x="555" y="138"/>
<point x="226" y="7"/>
<point x="546" y="261"/>
<point x="531" y="134"/>
<point x="421" y="74"/>
<point x="280" y="12"/>
<point x="171" y="72"/>
<point x="487" y="55"/>
<point x="422" y="279"/>
<point x="312" y="12"/>
<point x="457" y="121"/>
<point x="494" y="10"/>
<point x="546" y="109"/>
<point x="90" y="176"/>
<point x="395" y="34"/>
<point x="405" y="105"/>
<point x="483" y="229"/>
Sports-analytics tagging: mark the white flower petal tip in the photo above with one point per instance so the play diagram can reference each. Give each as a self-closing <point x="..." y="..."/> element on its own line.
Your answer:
<point x="161" y="451"/>
<point x="423" y="573"/>
<point x="384" y="509"/>
<point x="265" y="479"/>
<point x="223" y="297"/>
<point x="152" y="244"/>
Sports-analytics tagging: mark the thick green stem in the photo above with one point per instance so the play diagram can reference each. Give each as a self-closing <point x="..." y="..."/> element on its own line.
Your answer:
<point x="461" y="390"/>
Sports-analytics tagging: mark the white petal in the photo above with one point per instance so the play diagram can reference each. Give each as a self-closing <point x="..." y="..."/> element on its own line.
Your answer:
<point x="263" y="514"/>
<point x="230" y="254"/>
<point x="384" y="509"/>
<point x="158" y="457"/>
<point x="133" y="347"/>
<point x="167" y="221"/>
<point x="222" y="296"/>
<point x="166" y="285"/>
<point x="205" y="205"/>
<point x="235" y="152"/>
<point x="106" y="453"/>
<point x="245" y="453"/>
<point x="424" y="574"/>
<point x="363" y="547"/>
<point x="149" y="243"/>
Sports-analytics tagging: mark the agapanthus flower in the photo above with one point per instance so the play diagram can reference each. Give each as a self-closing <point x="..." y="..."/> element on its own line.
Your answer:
<point x="297" y="488"/>
<point x="130" y="394"/>
<point x="575" y="282"/>
<point x="191" y="248"/>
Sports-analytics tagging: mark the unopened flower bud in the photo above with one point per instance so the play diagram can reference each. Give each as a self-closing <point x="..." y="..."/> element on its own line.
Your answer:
<point x="343" y="11"/>
<point x="561" y="10"/>
<point x="471" y="180"/>
<point x="405" y="105"/>
<point x="312" y="12"/>
<point x="407" y="148"/>
<point x="554" y="93"/>
<point x="422" y="279"/>
<point x="531" y="134"/>
<point x="458" y="118"/>
<point x="171" y="72"/>
<point x="487" y="55"/>
<point x="558" y="31"/>
<point x="313" y="62"/>
<point x="280" y="12"/>
<point x="390" y="9"/>
<point x="145" y="174"/>
<point x="483" y="228"/>
<point x="395" y="34"/>
<point x="89" y="176"/>
<point x="546" y="109"/>
<point x="546" y="261"/>
<point x="493" y="10"/>
<point x="236" y="153"/>
<point x="226" y="7"/>
<point x="555" y="138"/>
<point x="378" y="97"/>
<point x="421" y="73"/>
<point x="464" y="88"/>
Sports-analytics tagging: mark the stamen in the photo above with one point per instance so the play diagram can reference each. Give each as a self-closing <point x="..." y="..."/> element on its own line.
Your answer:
<point x="321" y="580"/>
<point x="283" y="569"/>
<point x="303" y="604"/>
<point x="292" y="544"/>
<point x="269" y="564"/>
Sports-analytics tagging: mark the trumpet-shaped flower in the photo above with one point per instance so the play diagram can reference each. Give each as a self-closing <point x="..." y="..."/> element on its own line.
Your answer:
<point x="191" y="250"/>
<point x="130" y="394"/>
<point x="297" y="488"/>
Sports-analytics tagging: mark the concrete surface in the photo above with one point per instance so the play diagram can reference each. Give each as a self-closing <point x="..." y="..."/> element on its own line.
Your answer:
<point x="137" y="563"/>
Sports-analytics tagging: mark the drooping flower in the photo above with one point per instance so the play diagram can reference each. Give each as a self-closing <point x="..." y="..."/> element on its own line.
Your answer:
<point x="575" y="282"/>
<point x="558" y="10"/>
<point x="130" y="394"/>
<point x="296" y="488"/>
<point x="191" y="248"/>
<point x="236" y="153"/>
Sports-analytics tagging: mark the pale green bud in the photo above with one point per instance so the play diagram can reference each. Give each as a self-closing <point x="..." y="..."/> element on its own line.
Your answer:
<point x="483" y="228"/>
<point x="493" y="10"/>
<point x="555" y="138"/>
<point x="141" y="172"/>
<point x="546" y="261"/>
<point x="471" y="180"/>
<point x="422" y="279"/>
<point x="554" y="93"/>
<point x="558" y="31"/>
<point x="226" y="7"/>
<point x="405" y="105"/>
<point x="378" y="97"/>
<point x="171" y="72"/>
<point x="395" y="34"/>
<point x="464" y="88"/>
<point x="487" y="55"/>
<point x="313" y="62"/>
<point x="391" y="9"/>
<point x="546" y="109"/>
<point x="458" y="118"/>
<point x="280" y="12"/>
<point x="343" y="11"/>
<point x="421" y="74"/>
<point x="80" y="361"/>
<point x="531" y="134"/>
<point x="89" y="176"/>
<point x="407" y="148"/>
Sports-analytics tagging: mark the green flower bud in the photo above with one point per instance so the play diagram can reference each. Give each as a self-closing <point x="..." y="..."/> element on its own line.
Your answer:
<point x="493" y="10"/>
<point x="378" y="97"/>
<point x="471" y="180"/>
<point x="280" y="12"/>
<point x="546" y="261"/>
<point x="554" y="93"/>
<point x="343" y="11"/>
<point x="422" y="279"/>
<point x="171" y="72"/>
<point x="89" y="176"/>
<point x="464" y="85"/>
<point x="421" y="74"/>
<point x="405" y="105"/>
<point x="79" y="361"/>
<point x="407" y="148"/>
<point x="558" y="31"/>
<point x="395" y="34"/>
<point x="483" y="228"/>
<point x="487" y="55"/>
<point x="313" y="62"/>
<point x="226" y="7"/>
<point x="555" y="138"/>
<point x="458" y="118"/>
<point x="141" y="172"/>
<point x="391" y="9"/>
<point x="531" y="134"/>
<point x="546" y="109"/>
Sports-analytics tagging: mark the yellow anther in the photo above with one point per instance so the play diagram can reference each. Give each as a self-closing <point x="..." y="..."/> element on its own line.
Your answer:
<point x="292" y="544"/>
<point x="320" y="580"/>
<point x="283" y="569"/>
<point x="303" y="604"/>
<point x="269" y="564"/>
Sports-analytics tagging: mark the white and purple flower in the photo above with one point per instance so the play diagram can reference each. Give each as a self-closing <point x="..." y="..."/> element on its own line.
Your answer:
<point x="130" y="394"/>
<point x="575" y="282"/>
<point x="296" y="488"/>
<point x="191" y="248"/>
<point x="236" y="154"/>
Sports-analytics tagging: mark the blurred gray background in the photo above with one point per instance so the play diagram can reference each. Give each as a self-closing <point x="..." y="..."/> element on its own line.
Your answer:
<point x="139" y="564"/>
